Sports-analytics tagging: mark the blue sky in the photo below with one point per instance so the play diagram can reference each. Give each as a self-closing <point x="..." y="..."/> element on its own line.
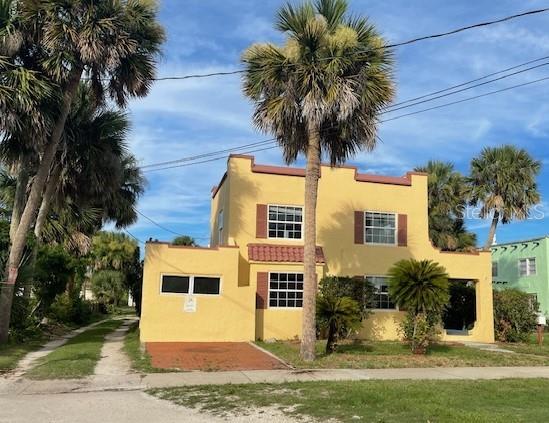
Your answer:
<point x="184" y="118"/>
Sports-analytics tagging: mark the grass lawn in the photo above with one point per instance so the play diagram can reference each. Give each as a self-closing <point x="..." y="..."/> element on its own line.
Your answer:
<point x="10" y="354"/>
<point x="387" y="354"/>
<point x="531" y="347"/>
<point x="77" y="358"/>
<point x="141" y="361"/>
<point x="379" y="401"/>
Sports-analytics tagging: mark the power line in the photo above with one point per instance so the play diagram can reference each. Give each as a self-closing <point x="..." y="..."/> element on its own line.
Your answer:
<point x="165" y="228"/>
<point x="209" y="160"/>
<point x="382" y="121"/>
<point x="424" y="99"/>
<point x="470" y="82"/>
<point x="467" y="99"/>
<point x="394" y="109"/>
<point x="403" y="43"/>
<point x="200" y="156"/>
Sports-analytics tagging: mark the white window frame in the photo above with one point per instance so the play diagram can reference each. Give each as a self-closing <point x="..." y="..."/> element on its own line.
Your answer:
<point x="191" y="285"/>
<point x="283" y="290"/>
<point x="382" y="310"/>
<point x="278" y="221"/>
<point x="528" y="261"/>
<point x="394" y="244"/>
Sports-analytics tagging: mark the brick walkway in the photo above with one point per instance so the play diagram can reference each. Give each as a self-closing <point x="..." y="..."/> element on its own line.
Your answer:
<point x="211" y="356"/>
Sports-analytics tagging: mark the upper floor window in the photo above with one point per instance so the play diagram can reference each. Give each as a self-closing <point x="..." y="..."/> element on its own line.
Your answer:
<point x="285" y="222"/>
<point x="382" y="300"/>
<point x="527" y="267"/>
<point x="205" y="285"/>
<point x="494" y="269"/>
<point x="380" y="228"/>
<point x="286" y="290"/>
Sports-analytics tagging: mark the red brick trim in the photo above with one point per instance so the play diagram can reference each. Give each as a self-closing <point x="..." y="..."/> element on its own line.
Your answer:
<point x="262" y="292"/>
<point x="359" y="227"/>
<point x="280" y="253"/>
<point x="261" y="221"/>
<point x="402" y="230"/>
<point x="299" y="172"/>
<point x="216" y="188"/>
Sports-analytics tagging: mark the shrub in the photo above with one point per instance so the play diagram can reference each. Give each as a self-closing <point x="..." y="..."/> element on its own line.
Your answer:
<point x="514" y="315"/>
<point x="420" y="330"/>
<point x="338" y="315"/>
<point x="70" y="309"/>
<point x="357" y="288"/>
<point x="421" y="287"/>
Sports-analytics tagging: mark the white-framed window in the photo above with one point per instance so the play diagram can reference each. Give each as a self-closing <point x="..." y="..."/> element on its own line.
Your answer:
<point x="494" y="269"/>
<point x="527" y="267"/>
<point x="382" y="300"/>
<point x="189" y="284"/>
<point x="380" y="228"/>
<point x="285" y="222"/>
<point x="286" y="290"/>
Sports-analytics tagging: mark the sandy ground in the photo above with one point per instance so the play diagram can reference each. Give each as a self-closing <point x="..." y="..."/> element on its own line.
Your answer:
<point x="113" y="407"/>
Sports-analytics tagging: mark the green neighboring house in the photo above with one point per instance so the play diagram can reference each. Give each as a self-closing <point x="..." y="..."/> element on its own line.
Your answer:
<point x="523" y="265"/>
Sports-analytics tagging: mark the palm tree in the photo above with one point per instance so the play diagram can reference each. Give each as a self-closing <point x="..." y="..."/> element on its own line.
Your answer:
<point x="338" y="315"/>
<point x="503" y="183"/>
<point x="419" y="286"/>
<point x="447" y="190"/>
<point x="113" y="43"/>
<point x="319" y="94"/>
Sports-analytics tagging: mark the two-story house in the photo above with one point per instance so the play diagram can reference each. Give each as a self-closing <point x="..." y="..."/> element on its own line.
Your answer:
<point x="249" y="283"/>
<point x="523" y="265"/>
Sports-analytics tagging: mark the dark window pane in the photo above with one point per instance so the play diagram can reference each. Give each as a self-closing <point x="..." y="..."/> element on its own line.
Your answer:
<point x="272" y="303"/>
<point x="175" y="284"/>
<point x="299" y="303"/>
<point x="204" y="285"/>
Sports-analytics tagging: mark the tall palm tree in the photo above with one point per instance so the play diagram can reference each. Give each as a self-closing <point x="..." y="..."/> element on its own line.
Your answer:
<point x="320" y="95"/>
<point x="447" y="198"/>
<point x="503" y="184"/>
<point x="112" y="43"/>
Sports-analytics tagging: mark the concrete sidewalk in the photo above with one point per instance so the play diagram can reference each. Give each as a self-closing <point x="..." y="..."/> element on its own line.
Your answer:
<point x="131" y="382"/>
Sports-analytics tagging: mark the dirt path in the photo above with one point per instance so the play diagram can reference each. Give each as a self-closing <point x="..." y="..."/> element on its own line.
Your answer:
<point x="29" y="360"/>
<point x="114" y="361"/>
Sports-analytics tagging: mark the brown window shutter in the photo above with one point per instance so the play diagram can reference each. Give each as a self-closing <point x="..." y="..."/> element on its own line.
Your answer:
<point x="359" y="227"/>
<point x="261" y="221"/>
<point x="402" y="230"/>
<point x="262" y="293"/>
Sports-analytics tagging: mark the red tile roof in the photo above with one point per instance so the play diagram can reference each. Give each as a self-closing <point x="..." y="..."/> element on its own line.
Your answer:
<point x="280" y="253"/>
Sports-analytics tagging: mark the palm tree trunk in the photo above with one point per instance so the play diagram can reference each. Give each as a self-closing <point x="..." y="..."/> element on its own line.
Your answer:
<point x="45" y="206"/>
<point x="492" y="232"/>
<point x="312" y="174"/>
<point x="20" y="194"/>
<point x="33" y="202"/>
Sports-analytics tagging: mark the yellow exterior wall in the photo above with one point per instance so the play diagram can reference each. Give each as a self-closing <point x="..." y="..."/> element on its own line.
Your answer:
<point x="339" y="195"/>
<point x="233" y="316"/>
<point x="278" y="323"/>
<point x="227" y="317"/>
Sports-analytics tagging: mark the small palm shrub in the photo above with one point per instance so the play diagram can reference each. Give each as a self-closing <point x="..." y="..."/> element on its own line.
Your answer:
<point x="514" y="315"/>
<point x="338" y="315"/>
<point x="421" y="288"/>
<point x="342" y="303"/>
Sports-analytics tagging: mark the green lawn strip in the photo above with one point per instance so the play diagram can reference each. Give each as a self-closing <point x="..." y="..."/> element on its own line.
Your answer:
<point x="378" y="401"/>
<point x="386" y="354"/>
<point x="78" y="357"/>
<point x="531" y="347"/>
<point x="140" y="360"/>
<point x="10" y="354"/>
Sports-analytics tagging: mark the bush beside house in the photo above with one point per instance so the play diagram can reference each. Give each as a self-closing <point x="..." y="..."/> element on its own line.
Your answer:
<point x="514" y="315"/>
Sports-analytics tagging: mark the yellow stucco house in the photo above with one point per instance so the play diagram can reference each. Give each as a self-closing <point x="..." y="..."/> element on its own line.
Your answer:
<point x="249" y="283"/>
